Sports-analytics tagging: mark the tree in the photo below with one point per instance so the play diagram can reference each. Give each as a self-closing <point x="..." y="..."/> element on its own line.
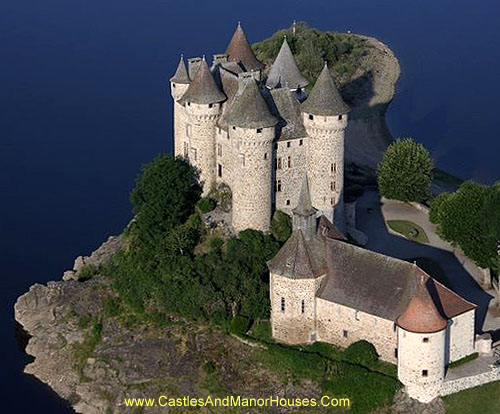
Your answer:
<point x="405" y="172"/>
<point x="470" y="218"/>
<point x="164" y="196"/>
<point x="281" y="226"/>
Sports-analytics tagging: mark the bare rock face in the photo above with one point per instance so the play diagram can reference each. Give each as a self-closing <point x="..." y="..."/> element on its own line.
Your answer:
<point x="369" y="93"/>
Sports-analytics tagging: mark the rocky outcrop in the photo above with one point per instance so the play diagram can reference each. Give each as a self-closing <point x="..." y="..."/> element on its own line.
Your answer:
<point x="369" y="93"/>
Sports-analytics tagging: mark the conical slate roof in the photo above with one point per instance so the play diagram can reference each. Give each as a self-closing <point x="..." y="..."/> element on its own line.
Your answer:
<point x="421" y="315"/>
<point x="304" y="205"/>
<point x="203" y="89"/>
<point x="181" y="74"/>
<point x="325" y="99"/>
<point x="239" y="50"/>
<point x="250" y="110"/>
<point x="284" y="70"/>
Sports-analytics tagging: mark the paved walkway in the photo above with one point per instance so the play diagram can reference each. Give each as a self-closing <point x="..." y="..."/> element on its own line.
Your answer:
<point x="370" y="219"/>
<point x="478" y="366"/>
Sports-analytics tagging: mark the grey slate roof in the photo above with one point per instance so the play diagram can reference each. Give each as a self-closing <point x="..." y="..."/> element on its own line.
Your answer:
<point x="300" y="259"/>
<point x="228" y="82"/>
<point x="203" y="89"/>
<point x="181" y="74"/>
<point x="239" y="50"/>
<point x="325" y="98"/>
<point x="285" y="106"/>
<point x="249" y="109"/>
<point x="304" y="204"/>
<point x="284" y="71"/>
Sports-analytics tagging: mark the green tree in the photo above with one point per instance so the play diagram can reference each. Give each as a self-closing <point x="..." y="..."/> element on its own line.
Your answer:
<point x="164" y="196"/>
<point x="405" y="172"/>
<point x="281" y="226"/>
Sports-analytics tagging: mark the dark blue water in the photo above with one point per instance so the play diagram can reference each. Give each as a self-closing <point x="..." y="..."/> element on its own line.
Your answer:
<point x="83" y="105"/>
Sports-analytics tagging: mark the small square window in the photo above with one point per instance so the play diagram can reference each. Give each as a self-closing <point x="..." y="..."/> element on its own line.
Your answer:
<point x="210" y="105"/>
<point x="189" y="103"/>
<point x="311" y="117"/>
<point x="301" y="142"/>
<point x="340" y="117"/>
<point x="425" y="339"/>
<point x="345" y="333"/>
<point x="287" y="202"/>
<point x="288" y="144"/>
<point x="234" y="128"/>
<point x="425" y="373"/>
<point x="259" y="130"/>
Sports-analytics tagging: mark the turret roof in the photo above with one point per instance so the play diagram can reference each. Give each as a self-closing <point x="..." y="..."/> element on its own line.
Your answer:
<point x="181" y="74"/>
<point x="304" y="204"/>
<point x="325" y="98"/>
<point x="421" y="315"/>
<point x="284" y="71"/>
<point x="249" y="109"/>
<point x="239" y="50"/>
<point x="203" y="89"/>
<point x="285" y="106"/>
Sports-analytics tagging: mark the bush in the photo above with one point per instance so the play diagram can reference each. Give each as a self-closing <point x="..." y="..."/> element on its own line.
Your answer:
<point x="87" y="272"/>
<point x="405" y="172"/>
<point x="281" y="226"/>
<point x="362" y="353"/>
<point x="206" y="205"/>
<point x="239" y="325"/>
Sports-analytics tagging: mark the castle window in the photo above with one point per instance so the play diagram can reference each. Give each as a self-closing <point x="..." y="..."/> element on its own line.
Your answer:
<point x="189" y="129"/>
<point x="425" y="340"/>
<point x="219" y="150"/>
<point x="265" y="156"/>
<point x="311" y="117"/>
<point x="210" y="105"/>
<point x="332" y="186"/>
<point x="189" y="104"/>
<point x="287" y="202"/>
<point x="278" y="186"/>
<point x="288" y="144"/>
<point x="345" y="333"/>
<point x="259" y="130"/>
<point x="301" y="142"/>
<point x="340" y="117"/>
<point x="289" y="162"/>
<point x="425" y="373"/>
<point x="219" y="170"/>
<point x="394" y="327"/>
<point x="279" y="163"/>
<point x="234" y="128"/>
<point x="333" y="167"/>
<point x="194" y="153"/>
<point x="395" y="352"/>
<point x="332" y="201"/>
<point x="282" y="304"/>
<point x="173" y="85"/>
<point x="303" y="306"/>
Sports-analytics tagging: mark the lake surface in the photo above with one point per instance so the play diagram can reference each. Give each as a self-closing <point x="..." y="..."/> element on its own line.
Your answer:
<point x="83" y="104"/>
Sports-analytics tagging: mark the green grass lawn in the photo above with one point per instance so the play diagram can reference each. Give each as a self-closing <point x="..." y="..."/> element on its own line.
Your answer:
<point x="484" y="400"/>
<point x="409" y="229"/>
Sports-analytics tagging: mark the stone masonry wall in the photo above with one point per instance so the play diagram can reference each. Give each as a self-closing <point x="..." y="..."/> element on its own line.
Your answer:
<point x="291" y="325"/>
<point x="460" y="384"/>
<point x="289" y="178"/>
<point x="461" y="336"/>
<point x="325" y="163"/>
<point x="333" y="319"/>
<point x="253" y="181"/>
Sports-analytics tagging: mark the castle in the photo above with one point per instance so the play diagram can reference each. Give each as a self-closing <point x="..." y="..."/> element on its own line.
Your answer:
<point x="259" y="135"/>
<point x="278" y="148"/>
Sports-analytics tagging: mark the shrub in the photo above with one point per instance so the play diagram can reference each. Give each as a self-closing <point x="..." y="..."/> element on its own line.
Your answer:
<point x="87" y="272"/>
<point x="362" y="353"/>
<point x="239" y="325"/>
<point x="405" y="172"/>
<point x="206" y="204"/>
<point x="281" y="226"/>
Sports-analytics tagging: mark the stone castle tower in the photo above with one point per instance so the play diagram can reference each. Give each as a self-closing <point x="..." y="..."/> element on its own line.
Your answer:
<point x="260" y="134"/>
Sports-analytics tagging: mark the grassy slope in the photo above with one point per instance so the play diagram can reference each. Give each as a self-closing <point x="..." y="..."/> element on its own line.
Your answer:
<point x="483" y="400"/>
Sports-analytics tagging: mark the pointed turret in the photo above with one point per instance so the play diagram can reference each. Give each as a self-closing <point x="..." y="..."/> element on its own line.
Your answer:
<point x="203" y="90"/>
<point x="239" y="50"/>
<point x="325" y="99"/>
<point x="285" y="71"/>
<point x="250" y="110"/>
<point x="181" y="74"/>
<point x="421" y="315"/>
<point x="304" y="215"/>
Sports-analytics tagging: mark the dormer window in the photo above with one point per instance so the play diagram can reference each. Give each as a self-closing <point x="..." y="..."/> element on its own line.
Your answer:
<point x="311" y="117"/>
<point x="259" y="130"/>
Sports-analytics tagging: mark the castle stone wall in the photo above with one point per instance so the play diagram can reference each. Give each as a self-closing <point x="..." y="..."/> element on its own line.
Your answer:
<point x="325" y="164"/>
<point x="341" y="325"/>
<point x="289" y="178"/>
<point x="461" y="336"/>
<point x="464" y="383"/>
<point x="253" y="181"/>
<point x="421" y="363"/>
<point x="291" y="325"/>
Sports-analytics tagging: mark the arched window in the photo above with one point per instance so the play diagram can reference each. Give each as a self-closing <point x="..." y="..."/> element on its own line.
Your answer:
<point x="282" y="304"/>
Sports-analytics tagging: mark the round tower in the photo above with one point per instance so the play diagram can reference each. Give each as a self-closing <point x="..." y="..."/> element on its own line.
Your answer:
<point x="325" y="119"/>
<point x="421" y="345"/>
<point x="202" y="107"/>
<point x="179" y="84"/>
<point x="252" y="129"/>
